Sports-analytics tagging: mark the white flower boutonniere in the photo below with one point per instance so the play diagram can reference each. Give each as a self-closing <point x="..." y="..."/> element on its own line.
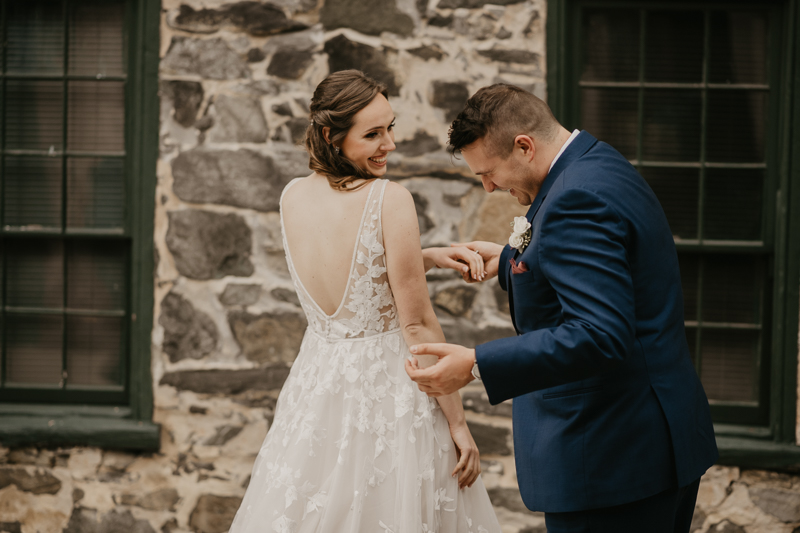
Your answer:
<point x="521" y="236"/>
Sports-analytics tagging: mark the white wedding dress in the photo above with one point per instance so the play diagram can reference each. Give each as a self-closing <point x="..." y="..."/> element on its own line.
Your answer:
<point x="355" y="446"/>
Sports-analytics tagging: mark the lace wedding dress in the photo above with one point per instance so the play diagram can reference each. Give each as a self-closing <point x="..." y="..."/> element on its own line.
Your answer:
<point x="355" y="446"/>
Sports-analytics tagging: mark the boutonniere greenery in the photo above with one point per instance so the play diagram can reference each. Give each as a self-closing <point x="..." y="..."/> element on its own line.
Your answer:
<point x="521" y="235"/>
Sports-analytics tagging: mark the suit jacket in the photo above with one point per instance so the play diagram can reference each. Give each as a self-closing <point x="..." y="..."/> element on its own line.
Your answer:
<point x="608" y="408"/>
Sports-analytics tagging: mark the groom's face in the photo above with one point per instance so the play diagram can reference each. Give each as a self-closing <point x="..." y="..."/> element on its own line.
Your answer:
<point x="514" y="173"/>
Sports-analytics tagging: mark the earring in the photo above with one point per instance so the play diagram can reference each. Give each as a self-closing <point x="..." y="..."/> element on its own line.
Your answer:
<point x="336" y="149"/>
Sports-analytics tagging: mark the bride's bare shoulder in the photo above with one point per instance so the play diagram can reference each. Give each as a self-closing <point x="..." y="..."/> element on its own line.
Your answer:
<point x="297" y="188"/>
<point x="399" y="213"/>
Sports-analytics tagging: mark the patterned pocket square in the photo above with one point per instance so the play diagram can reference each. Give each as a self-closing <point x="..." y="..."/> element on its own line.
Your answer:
<point x="518" y="268"/>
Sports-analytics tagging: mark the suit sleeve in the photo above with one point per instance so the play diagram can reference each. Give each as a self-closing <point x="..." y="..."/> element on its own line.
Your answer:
<point x="582" y="254"/>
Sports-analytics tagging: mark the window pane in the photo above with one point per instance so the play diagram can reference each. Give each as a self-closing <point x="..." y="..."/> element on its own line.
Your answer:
<point x="96" y="275"/>
<point x="737" y="122"/>
<point x="96" y="116"/>
<point x="33" y="349"/>
<point x="672" y="125"/>
<point x="733" y="204"/>
<point x="35" y="273"/>
<point x="33" y="192"/>
<point x="95" y="193"/>
<point x="34" y="114"/>
<point x="611" y="45"/>
<point x="731" y="289"/>
<point x="677" y="189"/>
<point x="96" y="38"/>
<point x="611" y="116"/>
<point x="35" y="37"/>
<point x="689" y="265"/>
<point x="93" y="350"/>
<point x="674" y="46"/>
<point x="728" y="367"/>
<point x="739" y="44"/>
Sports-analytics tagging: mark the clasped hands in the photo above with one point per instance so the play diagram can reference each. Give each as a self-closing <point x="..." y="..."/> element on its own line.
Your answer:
<point x="476" y="261"/>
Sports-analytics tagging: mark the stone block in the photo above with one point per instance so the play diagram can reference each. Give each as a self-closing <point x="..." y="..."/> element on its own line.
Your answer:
<point x="227" y="382"/>
<point x="283" y="109"/>
<point x="222" y="435"/>
<point x="478" y="401"/>
<point x="781" y="503"/>
<point x="297" y="129"/>
<point x="508" y="498"/>
<point x="240" y="178"/>
<point x="34" y="480"/>
<point x="240" y="294"/>
<point x="207" y="58"/>
<point x="208" y="245"/>
<point x="188" y="333"/>
<point x="214" y="514"/>
<point x="186" y="97"/>
<point x="370" y="17"/>
<point x="421" y="206"/>
<point x="255" y="55"/>
<point x="421" y="143"/>
<point x="256" y="18"/>
<point x="525" y="57"/>
<point x="430" y="51"/>
<point x="268" y="337"/>
<point x="491" y="440"/>
<point x="289" y="63"/>
<point x="90" y="521"/>
<point x="159" y="500"/>
<point x="726" y="526"/>
<point x="237" y="119"/>
<point x="479" y="27"/>
<point x="31" y="456"/>
<point x="285" y="295"/>
<point x="450" y="97"/>
<point x="456" y="300"/>
<point x="472" y="4"/>
<point x="10" y="527"/>
<point x="345" y="54"/>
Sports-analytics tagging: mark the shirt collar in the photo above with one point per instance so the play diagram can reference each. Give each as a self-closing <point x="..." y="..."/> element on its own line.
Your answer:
<point x="563" y="147"/>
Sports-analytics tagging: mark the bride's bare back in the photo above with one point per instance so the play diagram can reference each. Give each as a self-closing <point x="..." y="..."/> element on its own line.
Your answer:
<point x="321" y="226"/>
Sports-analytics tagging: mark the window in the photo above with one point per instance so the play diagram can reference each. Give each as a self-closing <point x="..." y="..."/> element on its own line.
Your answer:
<point x="73" y="210"/>
<point x="692" y="95"/>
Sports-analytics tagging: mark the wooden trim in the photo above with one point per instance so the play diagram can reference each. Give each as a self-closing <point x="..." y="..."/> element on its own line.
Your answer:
<point x="123" y="434"/>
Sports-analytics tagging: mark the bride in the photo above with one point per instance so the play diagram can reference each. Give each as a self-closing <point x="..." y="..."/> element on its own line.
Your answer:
<point x="355" y="446"/>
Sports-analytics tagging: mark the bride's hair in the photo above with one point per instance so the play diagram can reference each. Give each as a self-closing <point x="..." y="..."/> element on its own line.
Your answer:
<point x="336" y="101"/>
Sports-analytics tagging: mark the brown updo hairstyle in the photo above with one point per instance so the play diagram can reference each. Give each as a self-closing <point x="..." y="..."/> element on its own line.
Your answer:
<point x="335" y="103"/>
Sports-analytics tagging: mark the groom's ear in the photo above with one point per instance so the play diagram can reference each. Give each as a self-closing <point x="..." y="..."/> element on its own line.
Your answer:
<point x="525" y="146"/>
<point x="326" y="134"/>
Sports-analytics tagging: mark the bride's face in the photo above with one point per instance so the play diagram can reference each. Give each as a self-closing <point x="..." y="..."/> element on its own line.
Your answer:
<point x="371" y="137"/>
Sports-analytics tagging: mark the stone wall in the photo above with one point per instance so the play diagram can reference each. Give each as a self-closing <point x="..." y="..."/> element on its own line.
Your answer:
<point x="236" y="78"/>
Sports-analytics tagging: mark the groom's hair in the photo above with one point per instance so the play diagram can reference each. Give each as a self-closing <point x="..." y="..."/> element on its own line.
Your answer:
<point x="497" y="114"/>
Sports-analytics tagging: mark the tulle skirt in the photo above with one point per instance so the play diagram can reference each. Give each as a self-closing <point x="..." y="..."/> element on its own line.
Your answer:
<point x="356" y="447"/>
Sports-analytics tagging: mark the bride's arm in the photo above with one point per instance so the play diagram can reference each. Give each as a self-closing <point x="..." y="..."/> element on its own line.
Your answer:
<point x="406" y="273"/>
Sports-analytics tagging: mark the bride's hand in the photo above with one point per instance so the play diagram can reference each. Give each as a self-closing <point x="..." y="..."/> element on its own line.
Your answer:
<point x="469" y="459"/>
<point x="489" y="252"/>
<point x="465" y="261"/>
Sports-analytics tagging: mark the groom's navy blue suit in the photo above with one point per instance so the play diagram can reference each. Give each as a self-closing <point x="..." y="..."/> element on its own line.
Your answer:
<point x="608" y="408"/>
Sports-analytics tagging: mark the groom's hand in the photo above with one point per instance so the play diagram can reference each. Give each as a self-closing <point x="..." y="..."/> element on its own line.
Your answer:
<point x="450" y="373"/>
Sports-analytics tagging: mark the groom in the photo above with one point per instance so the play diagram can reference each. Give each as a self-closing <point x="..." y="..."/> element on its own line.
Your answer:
<point x="612" y="428"/>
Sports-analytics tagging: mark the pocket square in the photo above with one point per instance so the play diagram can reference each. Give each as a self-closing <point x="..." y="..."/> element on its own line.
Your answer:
<point x="518" y="268"/>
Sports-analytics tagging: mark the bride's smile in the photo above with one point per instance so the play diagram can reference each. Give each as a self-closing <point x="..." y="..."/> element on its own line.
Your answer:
<point x="371" y="137"/>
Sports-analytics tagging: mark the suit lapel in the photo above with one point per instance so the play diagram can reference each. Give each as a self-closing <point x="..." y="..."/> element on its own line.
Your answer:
<point x="577" y="148"/>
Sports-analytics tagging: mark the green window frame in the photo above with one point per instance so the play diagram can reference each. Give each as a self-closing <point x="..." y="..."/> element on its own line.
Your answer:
<point x="757" y="430"/>
<point x="109" y="415"/>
